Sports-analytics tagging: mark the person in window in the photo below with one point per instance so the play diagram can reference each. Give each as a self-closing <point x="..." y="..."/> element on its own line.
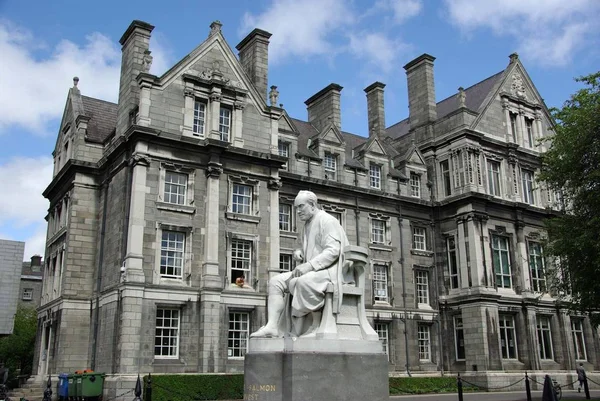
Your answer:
<point x="323" y="241"/>
<point x="580" y="376"/>
<point x="240" y="281"/>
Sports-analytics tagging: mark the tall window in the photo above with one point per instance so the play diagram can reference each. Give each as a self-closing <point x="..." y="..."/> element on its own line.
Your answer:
<point x="544" y="337"/>
<point x="500" y="260"/>
<point x="166" y="336"/>
<point x="242" y="199"/>
<point x="241" y="258"/>
<point x="375" y="176"/>
<point x="578" y="339"/>
<point x="285" y="261"/>
<point x="459" y="338"/>
<point x="422" y="286"/>
<point x="536" y="267"/>
<point x="330" y="164"/>
<point x="378" y="233"/>
<point x="380" y="283"/>
<point x="445" y="169"/>
<point x="419" y="242"/>
<point x="494" y="178"/>
<point x="383" y="332"/>
<point x="529" y="129"/>
<point x="285" y="217"/>
<point x="452" y="262"/>
<point x="224" y="123"/>
<point x="175" y="187"/>
<point x="172" y="251"/>
<point x="199" y="118"/>
<point x="527" y="179"/>
<point x="415" y="185"/>
<point x="237" y="336"/>
<point x="423" y="336"/>
<point x="508" y="338"/>
<point x="513" y="126"/>
<point x="283" y="149"/>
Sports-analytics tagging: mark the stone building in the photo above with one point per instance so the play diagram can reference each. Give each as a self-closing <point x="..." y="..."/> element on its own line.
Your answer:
<point x="11" y="258"/>
<point x="160" y="202"/>
<point x="30" y="288"/>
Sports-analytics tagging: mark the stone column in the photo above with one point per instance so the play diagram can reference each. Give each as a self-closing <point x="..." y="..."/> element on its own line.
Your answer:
<point x="145" y="102"/>
<point x="188" y="112"/>
<point x="273" y="238"/>
<point x="463" y="261"/>
<point x="476" y="253"/>
<point x="215" y="109"/>
<point x="522" y="278"/>
<point x="520" y="127"/>
<point x="238" y="124"/>
<point x="134" y="255"/>
<point x="210" y="267"/>
<point x="531" y="328"/>
<point x="130" y="345"/>
<point x="476" y="335"/>
<point x="509" y="137"/>
<point x="538" y="128"/>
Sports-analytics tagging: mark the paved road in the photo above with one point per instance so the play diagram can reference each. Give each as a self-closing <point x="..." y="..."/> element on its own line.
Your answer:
<point x="495" y="396"/>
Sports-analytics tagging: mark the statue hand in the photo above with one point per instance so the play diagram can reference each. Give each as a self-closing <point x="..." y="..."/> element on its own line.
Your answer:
<point x="302" y="269"/>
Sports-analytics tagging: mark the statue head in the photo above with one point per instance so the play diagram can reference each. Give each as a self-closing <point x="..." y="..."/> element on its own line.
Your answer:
<point x="306" y="205"/>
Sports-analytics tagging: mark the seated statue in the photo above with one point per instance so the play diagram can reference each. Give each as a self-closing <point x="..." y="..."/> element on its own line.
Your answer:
<point x="323" y="243"/>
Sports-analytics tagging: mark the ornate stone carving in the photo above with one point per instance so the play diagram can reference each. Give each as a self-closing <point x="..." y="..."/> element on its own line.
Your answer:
<point x="215" y="27"/>
<point x="147" y="61"/>
<point x="274" y="96"/>
<point x="215" y="97"/>
<point x="517" y="87"/>
<point x="462" y="97"/>
<point x="214" y="170"/>
<point x="137" y="158"/>
<point x="188" y="92"/>
<point x="274" y="184"/>
<point x="239" y="104"/>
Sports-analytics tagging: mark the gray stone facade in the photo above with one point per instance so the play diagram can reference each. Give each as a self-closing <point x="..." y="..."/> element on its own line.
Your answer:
<point x="158" y="204"/>
<point x="11" y="259"/>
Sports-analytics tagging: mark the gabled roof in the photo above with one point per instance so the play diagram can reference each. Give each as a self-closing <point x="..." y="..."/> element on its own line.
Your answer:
<point x="475" y="96"/>
<point x="103" y="118"/>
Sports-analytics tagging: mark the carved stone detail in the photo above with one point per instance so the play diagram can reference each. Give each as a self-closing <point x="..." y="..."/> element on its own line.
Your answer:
<point x="137" y="158"/>
<point x="518" y="87"/>
<point x="214" y="170"/>
<point x="274" y="184"/>
<point x="147" y="61"/>
<point x="462" y="97"/>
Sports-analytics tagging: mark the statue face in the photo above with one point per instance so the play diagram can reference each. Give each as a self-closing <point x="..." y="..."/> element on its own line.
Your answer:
<point x="304" y="209"/>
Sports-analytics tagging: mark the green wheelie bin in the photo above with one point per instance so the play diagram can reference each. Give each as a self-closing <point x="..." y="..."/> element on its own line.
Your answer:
<point x="92" y="385"/>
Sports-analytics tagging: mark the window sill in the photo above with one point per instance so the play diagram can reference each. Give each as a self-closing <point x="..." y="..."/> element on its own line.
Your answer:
<point x="381" y="247"/>
<point x="167" y="361"/>
<point x="424" y="307"/>
<point x="421" y="253"/>
<point x="235" y="287"/>
<point x="172" y="282"/>
<point x="288" y="234"/>
<point x="62" y="230"/>
<point x="172" y="207"/>
<point x="243" y="217"/>
<point x="381" y="304"/>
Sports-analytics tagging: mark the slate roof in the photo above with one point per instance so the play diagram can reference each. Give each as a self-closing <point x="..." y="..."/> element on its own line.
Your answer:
<point x="27" y="271"/>
<point x="103" y="118"/>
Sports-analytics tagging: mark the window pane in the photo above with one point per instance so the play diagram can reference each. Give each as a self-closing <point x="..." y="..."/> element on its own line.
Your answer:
<point x="375" y="176"/>
<point x="175" y="187"/>
<point x="172" y="252"/>
<point x="224" y="123"/>
<point x="382" y="330"/>
<point x="380" y="283"/>
<point x="240" y="260"/>
<point x="285" y="217"/>
<point x="199" y="118"/>
<point x="237" y="336"/>
<point x="241" y="199"/>
<point x="166" y="334"/>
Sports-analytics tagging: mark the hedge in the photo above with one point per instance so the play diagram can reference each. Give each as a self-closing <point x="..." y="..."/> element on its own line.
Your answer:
<point x="231" y="386"/>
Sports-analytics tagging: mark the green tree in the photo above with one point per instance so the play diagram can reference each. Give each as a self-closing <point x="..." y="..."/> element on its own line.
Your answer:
<point x="16" y="350"/>
<point x="571" y="166"/>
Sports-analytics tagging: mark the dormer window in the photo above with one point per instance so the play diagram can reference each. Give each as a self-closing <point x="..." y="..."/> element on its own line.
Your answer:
<point x="330" y="165"/>
<point x="199" y="118"/>
<point x="225" y="123"/>
<point x="375" y="176"/>
<point x="415" y="185"/>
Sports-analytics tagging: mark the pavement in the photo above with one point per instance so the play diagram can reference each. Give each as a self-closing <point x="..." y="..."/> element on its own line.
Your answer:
<point x="496" y="396"/>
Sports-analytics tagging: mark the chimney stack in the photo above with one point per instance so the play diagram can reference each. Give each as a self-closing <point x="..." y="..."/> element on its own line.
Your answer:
<point x="421" y="91"/>
<point x="135" y="44"/>
<point x="324" y="107"/>
<point x="375" y="108"/>
<point x="36" y="263"/>
<point x="254" y="57"/>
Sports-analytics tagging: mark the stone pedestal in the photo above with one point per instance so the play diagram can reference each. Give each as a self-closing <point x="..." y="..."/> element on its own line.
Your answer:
<point x="302" y="369"/>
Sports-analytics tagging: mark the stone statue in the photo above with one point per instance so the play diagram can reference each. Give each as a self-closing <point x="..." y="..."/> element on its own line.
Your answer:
<point x="323" y="242"/>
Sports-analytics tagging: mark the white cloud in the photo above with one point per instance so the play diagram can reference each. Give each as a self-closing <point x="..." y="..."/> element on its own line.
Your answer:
<point x="401" y="9"/>
<point x="300" y="28"/>
<point x="34" y="88"/>
<point x="36" y="243"/>
<point x="23" y="179"/>
<point x="548" y="31"/>
<point x="376" y="49"/>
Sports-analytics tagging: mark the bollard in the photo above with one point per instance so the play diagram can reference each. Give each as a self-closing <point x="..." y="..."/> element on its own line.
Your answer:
<point x="460" y="388"/>
<point x="586" y="387"/>
<point x="48" y="390"/>
<point x="138" y="389"/>
<point x="148" y="389"/>
<point x="527" y="387"/>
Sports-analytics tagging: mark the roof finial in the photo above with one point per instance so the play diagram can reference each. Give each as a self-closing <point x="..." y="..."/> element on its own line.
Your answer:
<point x="75" y="81"/>
<point x="513" y="57"/>
<point x="462" y="97"/>
<point x="274" y="95"/>
<point x="215" y="27"/>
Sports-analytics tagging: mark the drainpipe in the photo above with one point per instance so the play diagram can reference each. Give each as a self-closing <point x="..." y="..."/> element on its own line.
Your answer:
<point x="404" y="320"/>
<point x="99" y="277"/>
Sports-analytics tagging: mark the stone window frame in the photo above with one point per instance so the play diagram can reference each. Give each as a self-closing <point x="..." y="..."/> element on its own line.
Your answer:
<point x="447" y="237"/>
<point x="252" y="280"/>
<point x="489" y="161"/>
<point x="382" y="328"/>
<point x="331" y="209"/>
<point x="254" y="216"/>
<point x="248" y="316"/>
<point x="415" y="185"/>
<point x="186" y="272"/>
<point x="538" y="284"/>
<point x="379" y="168"/>
<point x="529" y="195"/>
<point x="422" y="235"/>
<point x="504" y="317"/>
<point x="506" y="236"/>
<point x="178" y="336"/>
<point x="521" y="110"/>
<point x="388" y="281"/>
<point x="417" y="270"/>
<point x="447" y="188"/>
<point x="540" y="331"/>
<point x="283" y="149"/>
<point x="191" y="97"/>
<point x="229" y="125"/>
<point x="386" y="245"/>
<point x="575" y="333"/>
<point x="423" y="325"/>
<point x="27" y="294"/>
<point x="188" y="206"/>
<point x="204" y="102"/>
<point x="456" y="328"/>
<point x="330" y="170"/>
<point x="288" y="254"/>
<point x="291" y="216"/>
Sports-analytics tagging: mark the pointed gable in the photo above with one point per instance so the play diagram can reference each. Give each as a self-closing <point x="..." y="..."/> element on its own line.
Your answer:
<point x="331" y="135"/>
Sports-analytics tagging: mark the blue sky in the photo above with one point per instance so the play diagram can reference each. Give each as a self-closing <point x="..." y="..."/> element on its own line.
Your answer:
<point x="43" y="44"/>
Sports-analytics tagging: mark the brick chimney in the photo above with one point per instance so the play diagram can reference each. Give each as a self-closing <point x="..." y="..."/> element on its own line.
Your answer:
<point x="254" y="57"/>
<point x="135" y="43"/>
<point x="324" y="107"/>
<point x="36" y="263"/>
<point x="421" y="91"/>
<point x="375" y="108"/>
